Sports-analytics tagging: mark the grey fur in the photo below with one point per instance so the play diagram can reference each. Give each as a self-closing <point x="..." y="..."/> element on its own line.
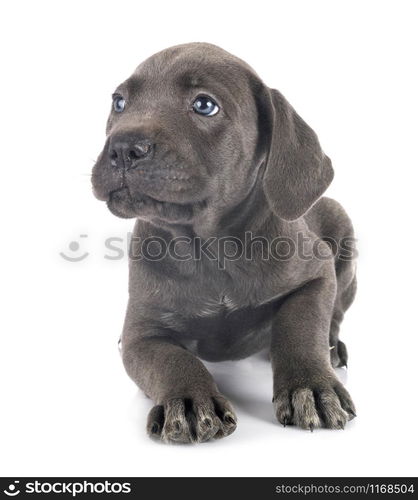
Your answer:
<point x="255" y="166"/>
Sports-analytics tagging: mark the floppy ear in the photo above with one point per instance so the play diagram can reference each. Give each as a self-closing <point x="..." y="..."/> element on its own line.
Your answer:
<point x="297" y="171"/>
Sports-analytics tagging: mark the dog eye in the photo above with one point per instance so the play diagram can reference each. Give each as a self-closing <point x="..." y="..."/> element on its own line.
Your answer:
<point x="119" y="103"/>
<point x="205" y="106"/>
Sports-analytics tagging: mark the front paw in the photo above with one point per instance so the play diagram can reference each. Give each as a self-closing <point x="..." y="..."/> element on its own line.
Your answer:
<point x="192" y="420"/>
<point x="322" y="402"/>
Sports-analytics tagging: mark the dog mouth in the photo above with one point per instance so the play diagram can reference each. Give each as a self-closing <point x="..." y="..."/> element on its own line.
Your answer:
<point x="122" y="204"/>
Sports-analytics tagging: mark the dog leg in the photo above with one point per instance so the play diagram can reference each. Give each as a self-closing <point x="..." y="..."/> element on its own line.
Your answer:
<point x="345" y="297"/>
<point x="189" y="407"/>
<point x="307" y="392"/>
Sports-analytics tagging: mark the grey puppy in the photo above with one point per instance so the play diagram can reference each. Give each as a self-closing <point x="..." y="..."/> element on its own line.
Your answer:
<point x="200" y="151"/>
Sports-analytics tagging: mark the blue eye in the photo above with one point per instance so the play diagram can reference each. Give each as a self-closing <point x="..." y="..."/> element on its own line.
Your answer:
<point x="119" y="103"/>
<point x="205" y="106"/>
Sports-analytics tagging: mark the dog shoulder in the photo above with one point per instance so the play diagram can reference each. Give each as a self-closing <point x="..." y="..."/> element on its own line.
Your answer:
<point x="328" y="218"/>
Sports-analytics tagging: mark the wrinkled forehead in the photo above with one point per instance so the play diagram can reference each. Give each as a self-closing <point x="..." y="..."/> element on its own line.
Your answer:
<point x="185" y="69"/>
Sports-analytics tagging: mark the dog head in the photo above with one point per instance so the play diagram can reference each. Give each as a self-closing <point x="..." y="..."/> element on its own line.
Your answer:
<point x="195" y="130"/>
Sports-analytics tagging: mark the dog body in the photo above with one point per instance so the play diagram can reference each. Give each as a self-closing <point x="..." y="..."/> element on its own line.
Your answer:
<point x="221" y="172"/>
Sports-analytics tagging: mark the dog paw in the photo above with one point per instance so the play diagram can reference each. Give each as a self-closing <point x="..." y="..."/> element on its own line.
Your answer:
<point x="328" y="406"/>
<point x="186" y="420"/>
<point x="339" y="355"/>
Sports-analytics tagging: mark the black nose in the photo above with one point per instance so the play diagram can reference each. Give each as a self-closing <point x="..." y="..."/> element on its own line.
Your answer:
<point x="128" y="153"/>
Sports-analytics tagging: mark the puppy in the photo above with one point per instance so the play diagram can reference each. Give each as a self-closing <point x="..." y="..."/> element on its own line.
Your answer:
<point x="223" y="177"/>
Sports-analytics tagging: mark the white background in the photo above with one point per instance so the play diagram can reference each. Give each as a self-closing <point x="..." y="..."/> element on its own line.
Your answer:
<point x="68" y="408"/>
